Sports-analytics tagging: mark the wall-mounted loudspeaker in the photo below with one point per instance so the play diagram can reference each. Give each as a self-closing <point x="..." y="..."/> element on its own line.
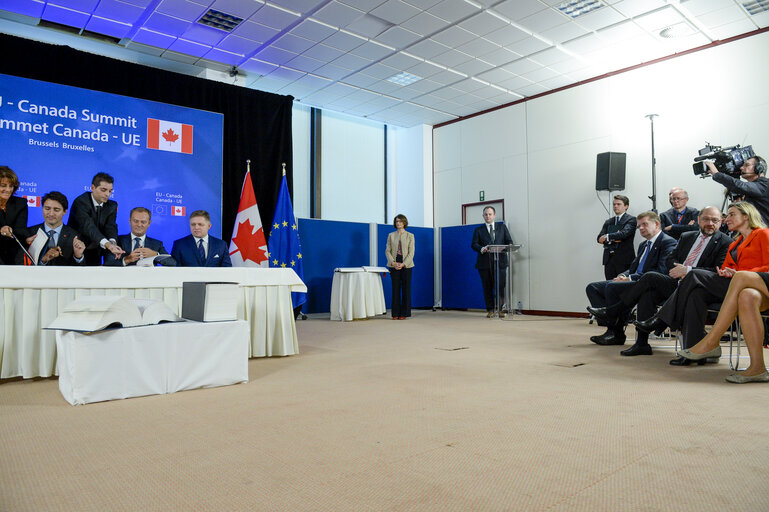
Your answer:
<point x="610" y="171"/>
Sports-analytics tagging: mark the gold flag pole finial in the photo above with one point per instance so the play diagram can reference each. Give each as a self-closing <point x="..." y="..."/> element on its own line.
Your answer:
<point x="284" y="168"/>
<point x="248" y="165"/>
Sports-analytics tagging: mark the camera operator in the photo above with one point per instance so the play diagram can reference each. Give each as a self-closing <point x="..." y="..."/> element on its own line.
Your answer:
<point x="755" y="188"/>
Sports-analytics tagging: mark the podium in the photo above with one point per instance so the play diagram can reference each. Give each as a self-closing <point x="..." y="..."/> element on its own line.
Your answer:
<point x="501" y="262"/>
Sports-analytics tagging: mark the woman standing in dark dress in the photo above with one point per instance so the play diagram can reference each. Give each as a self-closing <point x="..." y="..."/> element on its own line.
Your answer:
<point x="13" y="217"/>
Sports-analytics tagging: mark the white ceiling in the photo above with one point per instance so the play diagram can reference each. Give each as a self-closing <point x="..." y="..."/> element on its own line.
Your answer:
<point x="470" y="55"/>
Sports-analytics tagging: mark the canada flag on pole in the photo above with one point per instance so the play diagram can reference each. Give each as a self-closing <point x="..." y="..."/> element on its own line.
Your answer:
<point x="249" y="246"/>
<point x="169" y="136"/>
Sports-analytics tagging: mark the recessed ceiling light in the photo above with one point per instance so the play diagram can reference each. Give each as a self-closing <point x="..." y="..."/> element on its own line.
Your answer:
<point x="682" y="29"/>
<point x="220" y="20"/>
<point x="576" y="8"/>
<point x="756" y="6"/>
<point x="404" y="78"/>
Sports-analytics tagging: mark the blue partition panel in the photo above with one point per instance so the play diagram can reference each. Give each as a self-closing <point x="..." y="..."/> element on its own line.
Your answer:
<point x="327" y="245"/>
<point x="461" y="283"/>
<point x="423" y="275"/>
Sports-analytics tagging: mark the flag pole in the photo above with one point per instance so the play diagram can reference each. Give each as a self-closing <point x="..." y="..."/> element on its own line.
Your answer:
<point x="248" y="165"/>
<point x="284" y="168"/>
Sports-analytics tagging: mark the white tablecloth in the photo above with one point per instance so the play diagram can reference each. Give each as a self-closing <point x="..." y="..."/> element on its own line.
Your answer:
<point x="356" y="295"/>
<point x="32" y="297"/>
<point x="151" y="360"/>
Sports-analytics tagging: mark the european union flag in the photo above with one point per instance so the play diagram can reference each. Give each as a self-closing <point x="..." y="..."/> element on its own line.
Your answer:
<point x="285" y="249"/>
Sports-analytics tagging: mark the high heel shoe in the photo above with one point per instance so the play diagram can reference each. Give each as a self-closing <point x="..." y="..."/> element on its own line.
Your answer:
<point x="652" y="324"/>
<point x="688" y="354"/>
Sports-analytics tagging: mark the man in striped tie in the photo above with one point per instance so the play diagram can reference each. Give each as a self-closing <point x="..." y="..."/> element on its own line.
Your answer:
<point x="705" y="248"/>
<point x="603" y="295"/>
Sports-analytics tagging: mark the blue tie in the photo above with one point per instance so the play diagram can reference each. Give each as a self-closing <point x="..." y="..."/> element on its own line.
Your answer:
<point x="643" y="258"/>
<point x="201" y="251"/>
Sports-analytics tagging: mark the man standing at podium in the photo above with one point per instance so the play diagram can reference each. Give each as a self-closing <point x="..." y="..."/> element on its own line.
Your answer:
<point x="491" y="233"/>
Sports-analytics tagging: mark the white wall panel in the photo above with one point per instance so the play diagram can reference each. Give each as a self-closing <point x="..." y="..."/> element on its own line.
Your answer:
<point x="300" y="126"/>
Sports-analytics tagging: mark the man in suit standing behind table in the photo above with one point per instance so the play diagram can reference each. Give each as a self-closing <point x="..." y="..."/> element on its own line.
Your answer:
<point x="704" y="249"/>
<point x="617" y="236"/>
<point x="652" y="257"/>
<point x="199" y="249"/>
<point x="94" y="216"/>
<point x="137" y="244"/>
<point x="491" y="233"/>
<point x="63" y="247"/>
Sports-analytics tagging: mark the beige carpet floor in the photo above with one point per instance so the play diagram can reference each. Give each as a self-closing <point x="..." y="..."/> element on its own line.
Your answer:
<point x="448" y="411"/>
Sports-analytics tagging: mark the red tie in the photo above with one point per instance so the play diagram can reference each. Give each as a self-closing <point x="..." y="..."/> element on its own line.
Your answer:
<point x="695" y="252"/>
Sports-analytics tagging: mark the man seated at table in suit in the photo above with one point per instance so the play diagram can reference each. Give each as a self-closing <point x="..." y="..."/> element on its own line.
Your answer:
<point x="94" y="216"/>
<point x="680" y="218"/>
<point x="63" y="247"/>
<point x="199" y="249"/>
<point x="652" y="257"/>
<point x="705" y="249"/>
<point x="137" y="244"/>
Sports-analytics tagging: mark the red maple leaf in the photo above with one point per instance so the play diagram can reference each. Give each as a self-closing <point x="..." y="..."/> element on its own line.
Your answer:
<point x="170" y="136"/>
<point x="252" y="246"/>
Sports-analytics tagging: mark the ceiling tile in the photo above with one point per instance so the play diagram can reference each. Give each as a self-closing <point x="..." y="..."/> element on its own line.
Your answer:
<point x="496" y="75"/>
<point x="425" y="24"/>
<point x="550" y="56"/>
<point x="451" y="58"/>
<point x="363" y="5"/>
<point x="515" y="83"/>
<point x="166" y="24"/>
<point x="700" y="7"/>
<point x="544" y="20"/>
<point x="76" y="5"/>
<point x="312" y="30"/>
<point x="395" y="11"/>
<point x="275" y="55"/>
<point x="323" y="52"/>
<point x="446" y="77"/>
<point x="182" y="9"/>
<point x="65" y="16"/>
<point x="381" y="71"/>
<point x="370" y="50"/>
<point x="400" y="61"/>
<point x="301" y="6"/>
<point x="255" y="31"/>
<point x="452" y="10"/>
<point x="351" y="61"/>
<point x="522" y="66"/>
<point x="238" y="44"/>
<point x="189" y="47"/>
<point x="258" y="66"/>
<point x="482" y="24"/>
<point x="304" y="63"/>
<point x="360" y="80"/>
<point x="219" y="56"/>
<point x="427" y="49"/>
<point x="565" y="32"/>
<point x="33" y="9"/>
<point x="499" y="57"/>
<point x="292" y="43"/>
<point x="273" y="17"/>
<point x="118" y="11"/>
<point x="453" y="36"/>
<point x="331" y="71"/>
<point x="585" y="44"/>
<point x="422" y="4"/>
<point x="108" y="27"/>
<point x="338" y="14"/>
<point x="424" y="69"/>
<point x="519" y="9"/>
<point x="620" y="32"/>
<point x="723" y="16"/>
<point x="506" y="35"/>
<point x="153" y="38"/>
<point x="286" y="74"/>
<point x="600" y="18"/>
<point x="468" y="85"/>
<point x="478" y="47"/>
<point x="446" y="93"/>
<point x="369" y="26"/>
<point x="527" y="46"/>
<point x="398" y="37"/>
<point x="235" y="7"/>
<point x="733" y="29"/>
<point x="473" y="67"/>
<point x="531" y="90"/>
<point x="540" y="74"/>
<point x="343" y="41"/>
<point x="631" y="8"/>
<point x="659" y="19"/>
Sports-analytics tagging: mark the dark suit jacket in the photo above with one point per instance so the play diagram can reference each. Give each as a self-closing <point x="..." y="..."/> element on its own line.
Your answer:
<point x="66" y="237"/>
<point x="82" y="218"/>
<point x="755" y="192"/>
<point x="15" y="216"/>
<point x="185" y="252"/>
<point x="712" y="255"/>
<point x="752" y="254"/>
<point x="621" y="245"/>
<point x="657" y="258"/>
<point x="482" y="238"/>
<point x="670" y="217"/>
<point x="125" y="243"/>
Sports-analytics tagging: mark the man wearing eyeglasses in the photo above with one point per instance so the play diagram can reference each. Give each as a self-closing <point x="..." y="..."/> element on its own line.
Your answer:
<point x="753" y="187"/>
<point x="680" y="218"/>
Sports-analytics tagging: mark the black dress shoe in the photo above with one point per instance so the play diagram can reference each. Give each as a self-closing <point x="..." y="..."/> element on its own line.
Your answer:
<point x="682" y="361"/>
<point x="611" y="338"/>
<point x="599" y="313"/>
<point x="597" y="338"/>
<point x="638" y="350"/>
<point x="652" y="324"/>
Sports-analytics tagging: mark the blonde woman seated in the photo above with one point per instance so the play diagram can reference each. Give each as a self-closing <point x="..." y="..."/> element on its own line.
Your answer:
<point x="747" y="296"/>
<point x="400" y="259"/>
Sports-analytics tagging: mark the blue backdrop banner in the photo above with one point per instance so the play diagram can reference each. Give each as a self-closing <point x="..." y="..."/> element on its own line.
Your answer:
<point x="163" y="157"/>
<point x="461" y="283"/>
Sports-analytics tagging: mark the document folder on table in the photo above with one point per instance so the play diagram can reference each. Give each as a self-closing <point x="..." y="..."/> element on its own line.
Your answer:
<point x="209" y="302"/>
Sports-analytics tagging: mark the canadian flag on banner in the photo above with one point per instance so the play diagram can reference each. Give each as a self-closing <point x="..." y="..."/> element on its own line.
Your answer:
<point x="33" y="200"/>
<point x="178" y="211"/>
<point x="169" y="136"/>
<point x="249" y="246"/>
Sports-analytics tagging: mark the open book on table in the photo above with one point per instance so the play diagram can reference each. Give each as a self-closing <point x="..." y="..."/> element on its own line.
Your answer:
<point x="99" y="312"/>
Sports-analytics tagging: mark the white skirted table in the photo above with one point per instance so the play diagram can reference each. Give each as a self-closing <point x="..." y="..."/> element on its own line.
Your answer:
<point x="151" y="360"/>
<point x="32" y="297"/>
<point x="356" y="292"/>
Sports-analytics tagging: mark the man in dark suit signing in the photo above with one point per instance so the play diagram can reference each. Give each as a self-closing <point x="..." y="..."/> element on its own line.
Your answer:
<point x="63" y="248"/>
<point x="491" y="233"/>
<point x="199" y="249"/>
<point x="704" y="249"/>
<point x="137" y="245"/>
<point x="94" y="216"/>
<point x="617" y="236"/>
<point x="652" y="257"/>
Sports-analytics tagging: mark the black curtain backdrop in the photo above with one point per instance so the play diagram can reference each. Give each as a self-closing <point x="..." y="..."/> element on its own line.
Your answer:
<point x="257" y="125"/>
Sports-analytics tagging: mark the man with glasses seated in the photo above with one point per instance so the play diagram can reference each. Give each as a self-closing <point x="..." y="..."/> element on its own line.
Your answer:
<point x="705" y="249"/>
<point x="680" y="218"/>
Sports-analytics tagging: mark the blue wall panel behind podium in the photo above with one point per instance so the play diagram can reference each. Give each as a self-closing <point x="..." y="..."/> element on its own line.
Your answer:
<point x="327" y="245"/>
<point x="423" y="275"/>
<point x="461" y="282"/>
